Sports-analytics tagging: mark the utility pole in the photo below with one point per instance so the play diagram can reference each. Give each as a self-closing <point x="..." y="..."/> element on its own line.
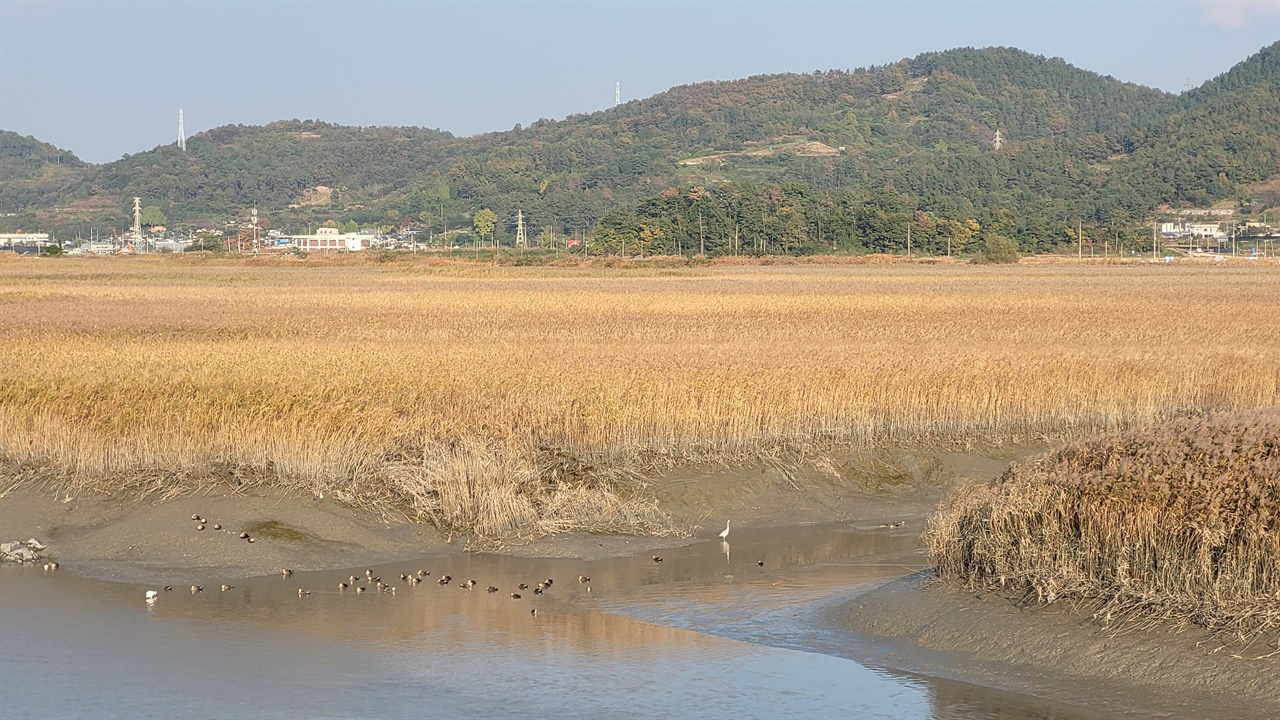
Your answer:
<point x="1079" y="242"/>
<point x="908" y="240"/>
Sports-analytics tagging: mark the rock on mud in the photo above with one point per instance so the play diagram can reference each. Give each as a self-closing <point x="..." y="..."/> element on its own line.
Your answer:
<point x="21" y="552"/>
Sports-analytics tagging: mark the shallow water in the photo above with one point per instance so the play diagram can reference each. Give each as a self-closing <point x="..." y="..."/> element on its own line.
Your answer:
<point x="704" y="634"/>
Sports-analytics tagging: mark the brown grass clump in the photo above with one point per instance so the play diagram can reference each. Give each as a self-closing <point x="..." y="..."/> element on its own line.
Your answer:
<point x="500" y="401"/>
<point x="1178" y="523"/>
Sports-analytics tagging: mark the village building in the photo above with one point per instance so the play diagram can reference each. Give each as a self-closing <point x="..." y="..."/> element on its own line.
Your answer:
<point x="1191" y="229"/>
<point x="333" y="240"/>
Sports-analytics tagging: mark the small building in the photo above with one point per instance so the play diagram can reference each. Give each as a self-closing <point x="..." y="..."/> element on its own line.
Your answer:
<point x="1204" y="230"/>
<point x="39" y="240"/>
<point x="332" y="240"/>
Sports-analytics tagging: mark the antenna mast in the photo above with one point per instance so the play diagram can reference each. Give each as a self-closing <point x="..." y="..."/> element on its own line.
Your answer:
<point x="617" y="93"/>
<point x="182" y="134"/>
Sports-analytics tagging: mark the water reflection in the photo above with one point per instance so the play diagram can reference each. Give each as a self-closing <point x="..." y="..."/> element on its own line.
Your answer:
<point x="707" y="633"/>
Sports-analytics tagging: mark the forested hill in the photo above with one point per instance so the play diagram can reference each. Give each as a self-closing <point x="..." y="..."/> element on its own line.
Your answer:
<point x="919" y="134"/>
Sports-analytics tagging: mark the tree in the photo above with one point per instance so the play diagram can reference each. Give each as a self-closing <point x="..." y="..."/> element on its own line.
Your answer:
<point x="484" y="221"/>
<point x="152" y="215"/>
<point x="350" y="226"/>
<point x="999" y="249"/>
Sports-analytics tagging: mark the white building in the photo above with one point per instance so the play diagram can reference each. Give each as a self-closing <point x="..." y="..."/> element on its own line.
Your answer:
<point x="333" y="240"/>
<point x="36" y="239"/>
<point x="1205" y="230"/>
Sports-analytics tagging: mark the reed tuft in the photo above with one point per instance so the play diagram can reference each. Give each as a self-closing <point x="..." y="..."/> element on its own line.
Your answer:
<point x="1176" y="523"/>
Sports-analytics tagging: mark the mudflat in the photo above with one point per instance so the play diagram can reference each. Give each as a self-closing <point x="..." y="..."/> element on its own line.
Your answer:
<point x="988" y="639"/>
<point x="132" y="540"/>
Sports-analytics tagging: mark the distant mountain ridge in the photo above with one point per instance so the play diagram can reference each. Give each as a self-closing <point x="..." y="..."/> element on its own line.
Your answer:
<point x="1073" y="144"/>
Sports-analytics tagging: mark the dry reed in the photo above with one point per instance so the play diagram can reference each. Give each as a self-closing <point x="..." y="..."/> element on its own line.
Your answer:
<point x="531" y="400"/>
<point x="1177" y="523"/>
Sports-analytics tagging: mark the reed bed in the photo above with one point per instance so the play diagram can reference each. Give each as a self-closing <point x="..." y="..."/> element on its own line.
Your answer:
<point x="503" y="401"/>
<point x="1177" y="523"/>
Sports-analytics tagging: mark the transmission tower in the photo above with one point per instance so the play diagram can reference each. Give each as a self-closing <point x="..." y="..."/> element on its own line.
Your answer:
<point x="182" y="134"/>
<point x="998" y="141"/>
<point x="617" y="93"/>
<point x="522" y="240"/>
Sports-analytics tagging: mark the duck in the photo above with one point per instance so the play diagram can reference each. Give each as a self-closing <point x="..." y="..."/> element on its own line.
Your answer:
<point x="760" y="563"/>
<point x="413" y="580"/>
<point x="199" y="527"/>
<point x="444" y="579"/>
<point x="196" y="588"/>
<point x="656" y="559"/>
<point x="286" y="572"/>
<point x="217" y="526"/>
<point x="195" y="516"/>
<point x="302" y="592"/>
<point x="168" y="588"/>
<point x="468" y="584"/>
<point x="548" y="582"/>
<point x="403" y="576"/>
<point x="342" y="586"/>
<point x="251" y="539"/>
<point x="523" y="586"/>
<point x="534" y="612"/>
<point x="515" y="596"/>
<point x="423" y="573"/>
<point x="724" y="534"/>
<point x="492" y="588"/>
<point x="226" y="587"/>
<point x="352" y="580"/>
<point x="537" y="591"/>
<point x="244" y="536"/>
<point x="584" y="578"/>
<point x="368" y="573"/>
<point x="152" y="595"/>
<point x="360" y="589"/>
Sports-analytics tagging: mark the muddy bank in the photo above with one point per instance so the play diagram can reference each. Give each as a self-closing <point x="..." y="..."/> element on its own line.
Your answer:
<point x="923" y="626"/>
<point x="149" y="541"/>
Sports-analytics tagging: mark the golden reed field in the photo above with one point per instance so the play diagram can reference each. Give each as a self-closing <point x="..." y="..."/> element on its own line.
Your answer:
<point x="531" y="400"/>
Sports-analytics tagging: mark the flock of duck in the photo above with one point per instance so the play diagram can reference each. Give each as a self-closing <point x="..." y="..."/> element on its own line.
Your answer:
<point x="369" y="582"/>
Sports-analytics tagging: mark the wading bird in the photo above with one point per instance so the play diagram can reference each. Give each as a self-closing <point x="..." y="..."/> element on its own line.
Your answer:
<point x="724" y="534"/>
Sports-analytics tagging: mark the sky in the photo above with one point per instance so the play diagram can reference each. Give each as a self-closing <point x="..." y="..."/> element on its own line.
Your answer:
<point x="104" y="79"/>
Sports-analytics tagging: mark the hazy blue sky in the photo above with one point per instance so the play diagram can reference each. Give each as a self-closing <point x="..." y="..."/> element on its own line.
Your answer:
<point x="107" y="78"/>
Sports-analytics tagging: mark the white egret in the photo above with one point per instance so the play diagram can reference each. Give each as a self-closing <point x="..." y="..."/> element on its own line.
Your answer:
<point x="724" y="534"/>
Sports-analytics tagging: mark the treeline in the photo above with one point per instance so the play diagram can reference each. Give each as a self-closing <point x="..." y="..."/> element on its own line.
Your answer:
<point x="796" y="219"/>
